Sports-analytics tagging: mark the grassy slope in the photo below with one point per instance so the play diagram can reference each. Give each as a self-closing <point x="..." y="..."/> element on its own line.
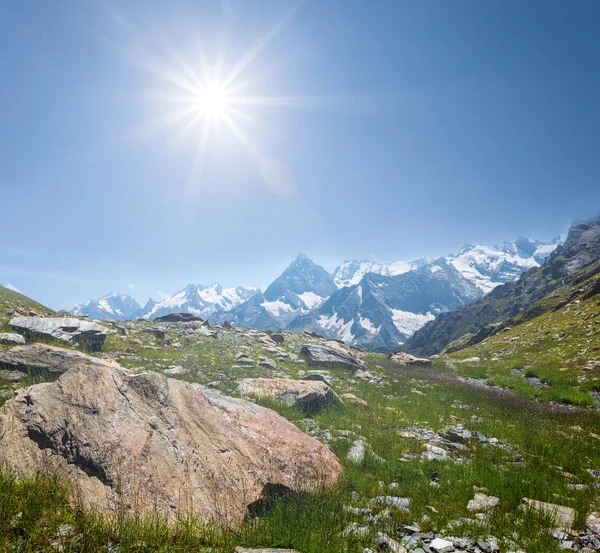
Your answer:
<point x="13" y="301"/>
<point x="557" y="340"/>
<point x="551" y="452"/>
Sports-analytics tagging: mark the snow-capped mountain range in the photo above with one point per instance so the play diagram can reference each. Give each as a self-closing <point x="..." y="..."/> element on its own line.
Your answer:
<point x="115" y="306"/>
<point x="203" y="301"/>
<point x="365" y="303"/>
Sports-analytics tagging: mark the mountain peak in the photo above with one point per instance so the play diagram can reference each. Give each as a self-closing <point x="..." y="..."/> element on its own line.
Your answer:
<point x="302" y="258"/>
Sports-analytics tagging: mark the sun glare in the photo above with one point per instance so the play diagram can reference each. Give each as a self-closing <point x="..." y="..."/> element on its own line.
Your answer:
<point x="213" y="101"/>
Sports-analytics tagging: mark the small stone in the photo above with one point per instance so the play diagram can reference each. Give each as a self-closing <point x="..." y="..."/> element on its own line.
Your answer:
<point x="482" y="502"/>
<point x="441" y="546"/>
<point x="357" y="451"/>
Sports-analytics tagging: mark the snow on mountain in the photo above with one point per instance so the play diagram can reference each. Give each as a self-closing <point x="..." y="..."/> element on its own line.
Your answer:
<point x="111" y="306"/>
<point x="381" y="311"/>
<point x="488" y="267"/>
<point x="303" y="286"/>
<point x="204" y="301"/>
<point x="351" y="272"/>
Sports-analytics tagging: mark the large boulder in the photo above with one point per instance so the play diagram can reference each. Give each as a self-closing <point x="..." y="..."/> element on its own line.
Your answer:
<point x="309" y="395"/>
<point x="44" y="358"/>
<point x="330" y="355"/>
<point x="67" y="329"/>
<point x="149" y="443"/>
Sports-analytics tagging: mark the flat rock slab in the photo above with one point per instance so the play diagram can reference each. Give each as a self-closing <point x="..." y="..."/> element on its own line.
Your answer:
<point x="317" y="354"/>
<point x="10" y="338"/>
<point x="309" y="395"/>
<point x="178" y="318"/>
<point x="403" y="358"/>
<point x="43" y="358"/>
<point x="144" y="442"/>
<point x="67" y="329"/>
<point x="563" y="517"/>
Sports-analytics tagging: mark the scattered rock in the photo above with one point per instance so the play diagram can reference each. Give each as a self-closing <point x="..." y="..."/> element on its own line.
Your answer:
<point x="172" y="371"/>
<point x="44" y="358"/>
<point x="593" y="522"/>
<point x="317" y="354"/>
<point x="407" y="359"/>
<point x="353" y="399"/>
<point x="320" y="377"/>
<point x="10" y="339"/>
<point x="311" y="396"/>
<point x="441" y="546"/>
<point x="67" y="329"/>
<point x="277" y="337"/>
<point x="356" y="530"/>
<point x="148" y="442"/>
<point x="266" y="362"/>
<point x="243" y="359"/>
<point x="357" y="451"/>
<point x="384" y="540"/>
<point x="400" y="503"/>
<point x="482" y="502"/>
<point x="563" y="516"/>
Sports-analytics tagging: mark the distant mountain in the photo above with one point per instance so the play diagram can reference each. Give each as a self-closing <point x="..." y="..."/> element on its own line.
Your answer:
<point x="408" y="295"/>
<point x="207" y="302"/>
<point x="488" y="267"/>
<point x="351" y="272"/>
<point x="111" y="306"/>
<point x="581" y="249"/>
<point x="303" y="286"/>
<point x="381" y="312"/>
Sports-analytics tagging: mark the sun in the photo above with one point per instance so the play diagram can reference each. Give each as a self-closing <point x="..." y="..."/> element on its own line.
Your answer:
<point x="213" y="101"/>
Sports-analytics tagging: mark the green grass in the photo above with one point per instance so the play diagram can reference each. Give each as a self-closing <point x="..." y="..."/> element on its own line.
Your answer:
<point x="551" y="449"/>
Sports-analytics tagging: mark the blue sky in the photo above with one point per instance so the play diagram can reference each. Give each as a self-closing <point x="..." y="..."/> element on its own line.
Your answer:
<point x="384" y="130"/>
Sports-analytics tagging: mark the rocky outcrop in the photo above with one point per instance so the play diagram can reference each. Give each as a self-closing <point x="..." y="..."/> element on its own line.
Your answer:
<point x="11" y="339"/>
<point x="67" y="329"/>
<point x="178" y="318"/>
<point x="309" y="395"/>
<point x="324" y="355"/>
<point x="403" y="358"/>
<point x="43" y="358"/>
<point x="149" y="443"/>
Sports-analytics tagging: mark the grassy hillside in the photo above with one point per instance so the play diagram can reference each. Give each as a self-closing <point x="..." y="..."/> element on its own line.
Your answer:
<point x="556" y="340"/>
<point x="521" y="449"/>
<point x="13" y="303"/>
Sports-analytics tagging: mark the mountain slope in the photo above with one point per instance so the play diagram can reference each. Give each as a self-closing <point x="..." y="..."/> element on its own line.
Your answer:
<point x="12" y="303"/>
<point x="301" y="287"/>
<point x="114" y="306"/>
<point x="581" y="249"/>
<point x="551" y="350"/>
<point x="382" y="311"/>
<point x="207" y="302"/>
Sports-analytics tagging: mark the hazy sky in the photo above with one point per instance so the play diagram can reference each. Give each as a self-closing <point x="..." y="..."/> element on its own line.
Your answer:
<point x="341" y="129"/>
